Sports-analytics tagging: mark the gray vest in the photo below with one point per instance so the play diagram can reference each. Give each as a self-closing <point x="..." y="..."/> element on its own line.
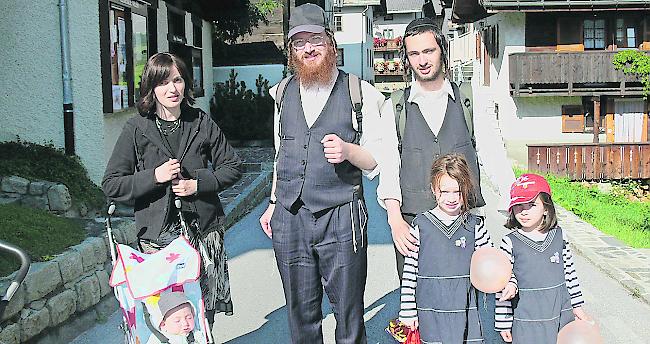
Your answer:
<point x="420" y="147"/>
<point x="302" y="170"/>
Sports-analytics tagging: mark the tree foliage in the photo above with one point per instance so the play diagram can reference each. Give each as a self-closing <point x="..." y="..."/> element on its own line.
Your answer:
<point x="236" y="18"/>
<point x="634" y="62"/>
<point x="243" y="114"/>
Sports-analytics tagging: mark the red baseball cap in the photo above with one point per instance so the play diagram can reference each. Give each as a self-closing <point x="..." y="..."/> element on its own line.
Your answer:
<point x="526" y="188"/>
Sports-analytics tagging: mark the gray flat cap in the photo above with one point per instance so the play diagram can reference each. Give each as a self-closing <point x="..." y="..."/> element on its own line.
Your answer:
<point x="307" y="18"/>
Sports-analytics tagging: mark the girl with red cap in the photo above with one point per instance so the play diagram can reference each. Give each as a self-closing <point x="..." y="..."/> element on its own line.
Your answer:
<point x="543" y="294"/>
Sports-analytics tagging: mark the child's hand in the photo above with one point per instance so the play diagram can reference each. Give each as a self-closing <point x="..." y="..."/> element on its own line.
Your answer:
<point x="582" y="315"/>
<point x="507" y="336"/>
<point x="508" y="292"/>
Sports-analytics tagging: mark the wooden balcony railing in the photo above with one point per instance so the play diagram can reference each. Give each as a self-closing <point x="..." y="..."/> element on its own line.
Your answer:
<point x="591" y="161"/>
<point x="569" y="73"/>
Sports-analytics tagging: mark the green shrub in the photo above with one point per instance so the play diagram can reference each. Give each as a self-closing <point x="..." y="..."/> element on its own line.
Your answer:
<point x="241" y="113"/>
<point x="628" y="221"/>
<point x="41" y="234"/>
<point x="45" y="162"/>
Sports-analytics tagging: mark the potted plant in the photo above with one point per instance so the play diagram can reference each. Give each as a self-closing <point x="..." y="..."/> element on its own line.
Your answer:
<point x="391" y="66"/>
<point x="379" y="66"/>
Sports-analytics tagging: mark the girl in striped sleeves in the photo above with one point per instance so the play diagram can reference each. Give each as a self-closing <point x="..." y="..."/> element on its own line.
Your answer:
<point x="543" y="294"/>
<point x="437" y="296"/>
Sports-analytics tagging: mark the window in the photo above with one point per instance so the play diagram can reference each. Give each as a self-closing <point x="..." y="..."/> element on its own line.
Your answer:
<point x="569" y="31"/>
<point x="197" y="57"/>
<point x="197" y="33"/>
<point x="140" y="51"/>
<point x="580" y="118"/>
<point x="197" y="72"/>
<point x="338" y="23"/>
<point x="176" y="25"/>
<point x="388" y="33"/>
<point x="124" y="38"/>
<point x="625" y="33"/>
<point x="388" y="55"/>
<point x="594" y="33"/>
<point x="118" y="59"/>
<point x="339" y="57"/>
<point x="573" y="119"/>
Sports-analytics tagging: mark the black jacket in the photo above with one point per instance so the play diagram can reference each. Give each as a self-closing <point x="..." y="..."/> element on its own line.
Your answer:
<point x="139" y="150"/>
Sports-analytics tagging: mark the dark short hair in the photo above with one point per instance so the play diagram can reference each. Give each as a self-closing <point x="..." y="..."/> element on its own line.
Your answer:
<point x="420" y="26"/>
<point x="455" y="166"/>
<point x="156" y="70"/>
<point x="550" y="220"/>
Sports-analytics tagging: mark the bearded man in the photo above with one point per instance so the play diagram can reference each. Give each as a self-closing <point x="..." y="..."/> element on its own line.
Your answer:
<point x="317" y="216"/>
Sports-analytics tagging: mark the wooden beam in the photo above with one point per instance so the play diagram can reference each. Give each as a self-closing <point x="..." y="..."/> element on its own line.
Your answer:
<point x="596" y="118"/>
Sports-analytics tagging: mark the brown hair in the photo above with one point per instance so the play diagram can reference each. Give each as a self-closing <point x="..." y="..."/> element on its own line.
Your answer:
<point x="156" y="71"/>
<point x="455" y="166"/>
<point x="549" y="221"/>
<point x="440" y="38"/>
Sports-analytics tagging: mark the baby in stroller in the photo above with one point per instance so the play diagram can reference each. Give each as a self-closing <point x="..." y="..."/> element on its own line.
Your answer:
<point x="174" y="316"/>
<point x="160" y="296"/>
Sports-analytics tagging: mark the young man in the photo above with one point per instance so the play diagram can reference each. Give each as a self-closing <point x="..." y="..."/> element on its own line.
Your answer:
<point x="317" y="217"/>
<point x="436" y="125"/>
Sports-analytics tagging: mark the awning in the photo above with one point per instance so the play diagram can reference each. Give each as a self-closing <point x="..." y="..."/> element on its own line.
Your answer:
<point x="404" y="6"/>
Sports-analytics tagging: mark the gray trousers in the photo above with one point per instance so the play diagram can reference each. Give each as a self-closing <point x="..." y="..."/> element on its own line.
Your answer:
<point x="316" y="252"/>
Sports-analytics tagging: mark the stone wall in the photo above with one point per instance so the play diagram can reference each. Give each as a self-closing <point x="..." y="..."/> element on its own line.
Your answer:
<point x="39" y="194"/>
<point x="65" y="296"/>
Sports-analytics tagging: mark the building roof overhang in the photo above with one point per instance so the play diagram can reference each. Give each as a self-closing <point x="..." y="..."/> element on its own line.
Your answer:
<point x="404" y="6"/>
<point x="355" y="3"/>
<point x="562" y="5"/>
<point x="467" y="11"/>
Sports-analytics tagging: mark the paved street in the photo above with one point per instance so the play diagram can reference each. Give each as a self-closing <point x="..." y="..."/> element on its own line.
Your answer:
<point x="260" y="315"/>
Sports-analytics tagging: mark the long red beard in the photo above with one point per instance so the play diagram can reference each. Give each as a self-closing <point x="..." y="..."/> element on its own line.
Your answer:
<point x="311" y="74"/>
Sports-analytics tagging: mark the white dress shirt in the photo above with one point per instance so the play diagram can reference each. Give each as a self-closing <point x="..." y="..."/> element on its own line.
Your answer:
<point x="379" y="136"/>
<point x="489" y="146"/>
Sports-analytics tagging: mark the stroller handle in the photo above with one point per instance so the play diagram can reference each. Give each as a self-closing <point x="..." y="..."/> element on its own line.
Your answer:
<point x="20" y="276"/>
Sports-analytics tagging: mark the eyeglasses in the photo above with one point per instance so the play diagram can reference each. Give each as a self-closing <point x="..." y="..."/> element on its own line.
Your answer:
<point x="299" y="44"/>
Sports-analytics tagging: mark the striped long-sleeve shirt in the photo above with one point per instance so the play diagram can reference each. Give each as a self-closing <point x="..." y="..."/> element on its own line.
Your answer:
<point x="408" y="308"/>
<point x="504" y="313"/>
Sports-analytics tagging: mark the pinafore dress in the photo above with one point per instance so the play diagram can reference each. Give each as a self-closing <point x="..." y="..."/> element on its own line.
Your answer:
<point x="446" y="300"/>
<point x="543" y="304"/>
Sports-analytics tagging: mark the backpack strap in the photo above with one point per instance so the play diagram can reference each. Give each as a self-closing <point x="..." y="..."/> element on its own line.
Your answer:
<point x="464" y="90"/>
<point x="279" y="97"/>
<point x="279" y="92"/>
<point x="356" y="97"/>
<point x="398" y="98"/>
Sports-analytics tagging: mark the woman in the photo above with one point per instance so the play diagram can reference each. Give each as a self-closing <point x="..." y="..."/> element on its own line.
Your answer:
<point x="174" y="151"/>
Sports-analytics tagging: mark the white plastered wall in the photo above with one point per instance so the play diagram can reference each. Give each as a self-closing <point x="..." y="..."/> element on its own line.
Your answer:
<point x="522" y="120"/>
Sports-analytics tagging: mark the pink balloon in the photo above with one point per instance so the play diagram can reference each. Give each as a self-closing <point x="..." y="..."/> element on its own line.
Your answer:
<point x="580" y="332"/>
<point x="490" y="270"/>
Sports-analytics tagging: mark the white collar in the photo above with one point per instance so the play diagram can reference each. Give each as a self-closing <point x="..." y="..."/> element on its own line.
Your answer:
<point x="418" y="92"/>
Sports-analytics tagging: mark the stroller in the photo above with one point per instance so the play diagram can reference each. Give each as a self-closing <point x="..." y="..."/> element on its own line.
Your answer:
<point x="159" y="294"/>
<point x="18" y="278"/>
